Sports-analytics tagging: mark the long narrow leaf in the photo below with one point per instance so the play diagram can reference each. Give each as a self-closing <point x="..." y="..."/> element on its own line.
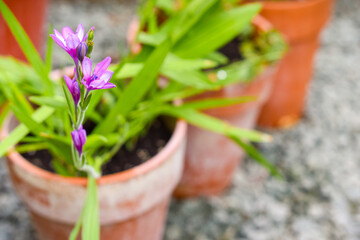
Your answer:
<point x="215" y="30"/>
<point x="189" y="16"/>
<point x="215" y="125"/>
<point x="137" y="88"/>
<point x="21" y="131"/>
<point x="90" y="224"/>
<point x="254" y="153"/>
<point x="217" y="102"/>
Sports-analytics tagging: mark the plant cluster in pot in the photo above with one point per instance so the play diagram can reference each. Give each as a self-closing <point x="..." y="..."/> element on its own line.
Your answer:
<point x="301" y="22"/>
<point x="211" y="158"/>
<point x="69" y="138"/>
<point x="31" y="15"/>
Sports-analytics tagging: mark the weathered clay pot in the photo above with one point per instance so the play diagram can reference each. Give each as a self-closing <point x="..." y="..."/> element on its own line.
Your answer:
<point x="133" y="203"/>
<point x="301" y="23"/>
<point x="31" y="15"/>
<point x="211" y="158"/>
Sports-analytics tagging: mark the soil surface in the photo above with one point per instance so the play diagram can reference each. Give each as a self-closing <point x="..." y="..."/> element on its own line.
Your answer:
<point x="144" y="148"/>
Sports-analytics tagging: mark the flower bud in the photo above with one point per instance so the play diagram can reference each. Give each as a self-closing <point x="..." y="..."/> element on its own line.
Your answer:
<point x="90" y="46"/>
<point x="91" y="35"/>
<point x="75" y="92"/>
<point x="82" y="51"/>
<point x="79" y="139"/>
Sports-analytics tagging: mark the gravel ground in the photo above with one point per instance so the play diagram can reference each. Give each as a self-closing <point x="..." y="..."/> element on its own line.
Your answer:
<point x="320" y="197"/>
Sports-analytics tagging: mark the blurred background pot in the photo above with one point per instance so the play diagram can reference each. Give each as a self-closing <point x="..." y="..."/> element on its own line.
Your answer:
<point x="31" y="15"/>
<point x="211" y="158"/>
<point x="133" y="203"/>
<point x="301" y="23"/>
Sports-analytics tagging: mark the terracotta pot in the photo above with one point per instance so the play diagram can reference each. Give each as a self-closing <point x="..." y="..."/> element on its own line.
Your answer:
<point x="301" y="23"/>
<point x="31" y="15"/>
<point x="133" y="203"/>
<point x="211" y="159"/>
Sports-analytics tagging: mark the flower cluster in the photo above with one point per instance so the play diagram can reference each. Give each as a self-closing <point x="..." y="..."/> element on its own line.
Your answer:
<point x="79" y="46"/>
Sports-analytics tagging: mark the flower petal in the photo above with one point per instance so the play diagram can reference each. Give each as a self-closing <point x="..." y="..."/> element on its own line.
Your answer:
<point x="66" y="31"/>
<point x="72" y="41"/>
<point x="59" y="41"/>
<point x="80" y="32"/>
<point x="106" y="76"/>
<point x="101" y="67"/>
<point x="86" y="68"/>
<point x="68" y="82"/>
<point x="59" y="36"/>
<point x="108" y="85"/>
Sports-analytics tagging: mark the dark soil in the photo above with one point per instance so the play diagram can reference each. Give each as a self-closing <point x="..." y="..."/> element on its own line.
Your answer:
<point x="231" y="50"/>
<point x="145" y="148"/>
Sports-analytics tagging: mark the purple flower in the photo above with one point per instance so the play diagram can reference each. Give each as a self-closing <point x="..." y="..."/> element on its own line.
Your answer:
<point x="74" y="88"/>
<point x="100" y="78"/>
<point x="79" y="139"/>
<point x="69" y="40"/>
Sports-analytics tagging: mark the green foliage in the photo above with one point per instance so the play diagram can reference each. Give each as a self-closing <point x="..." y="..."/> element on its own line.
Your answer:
<point x="183" y="48"/>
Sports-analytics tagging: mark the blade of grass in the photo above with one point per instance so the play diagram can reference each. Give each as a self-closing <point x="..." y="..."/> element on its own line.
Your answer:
<point x="215" y="30"/>
<point x="90" y="225"/>
<point x="137" y="88"/>
<point x="217" y="102"/>
<point x="21" y="131"/>
<point x="49" y="44"/>
<point x="215" y="125"/>
<point x="254" y="153"/>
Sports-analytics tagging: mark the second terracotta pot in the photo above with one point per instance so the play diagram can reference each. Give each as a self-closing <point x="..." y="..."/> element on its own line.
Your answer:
<point x="301" y="23"/>
<point x="211" y="158"/>
<point x="31" y="15"/>
<point x="133" y="203"/>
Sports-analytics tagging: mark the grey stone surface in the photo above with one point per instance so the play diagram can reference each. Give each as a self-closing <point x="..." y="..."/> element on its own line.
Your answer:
<point x="320" y="197"/>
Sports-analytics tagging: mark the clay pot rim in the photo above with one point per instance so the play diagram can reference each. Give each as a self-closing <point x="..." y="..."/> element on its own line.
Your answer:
<point x="170" y="147"/>
<point x="290" y="5"/>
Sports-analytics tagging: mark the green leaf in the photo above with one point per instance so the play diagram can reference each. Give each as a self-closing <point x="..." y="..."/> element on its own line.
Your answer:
<point x="151" y="39"/>
<point x="127" y="71"/>
<point x="21" y="131"/>
<point x="75" y="232"/>
<point x="61" y="169"/>
<point x="55" y="102"/>
<point x="4" y="111"/>
<point x="24" y="148"/>
<point x="254" y="153"/>
<point x="31" y="124"/>
<point x="173" y="62"/>
<point x="48" y="55"/>
<point x="27" y="46"/>
<point x="90" y="223"/>
<point x="238" y="72"/>
<point x="215" y="30"/>
<point x="191" y="78"/>
<point x="189" y="16"/>
<point x="14" y="95"/>
<point x="215" y="125"/>
<point x="217" y="102"/>
<point x="137" y="88"/>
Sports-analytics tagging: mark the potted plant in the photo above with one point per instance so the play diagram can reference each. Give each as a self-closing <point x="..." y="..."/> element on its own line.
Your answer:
<point x="301" y="23"/>
<point x="32" y="15"/>
<point x="102" y="125"/>
<point x="210" y="158"/>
